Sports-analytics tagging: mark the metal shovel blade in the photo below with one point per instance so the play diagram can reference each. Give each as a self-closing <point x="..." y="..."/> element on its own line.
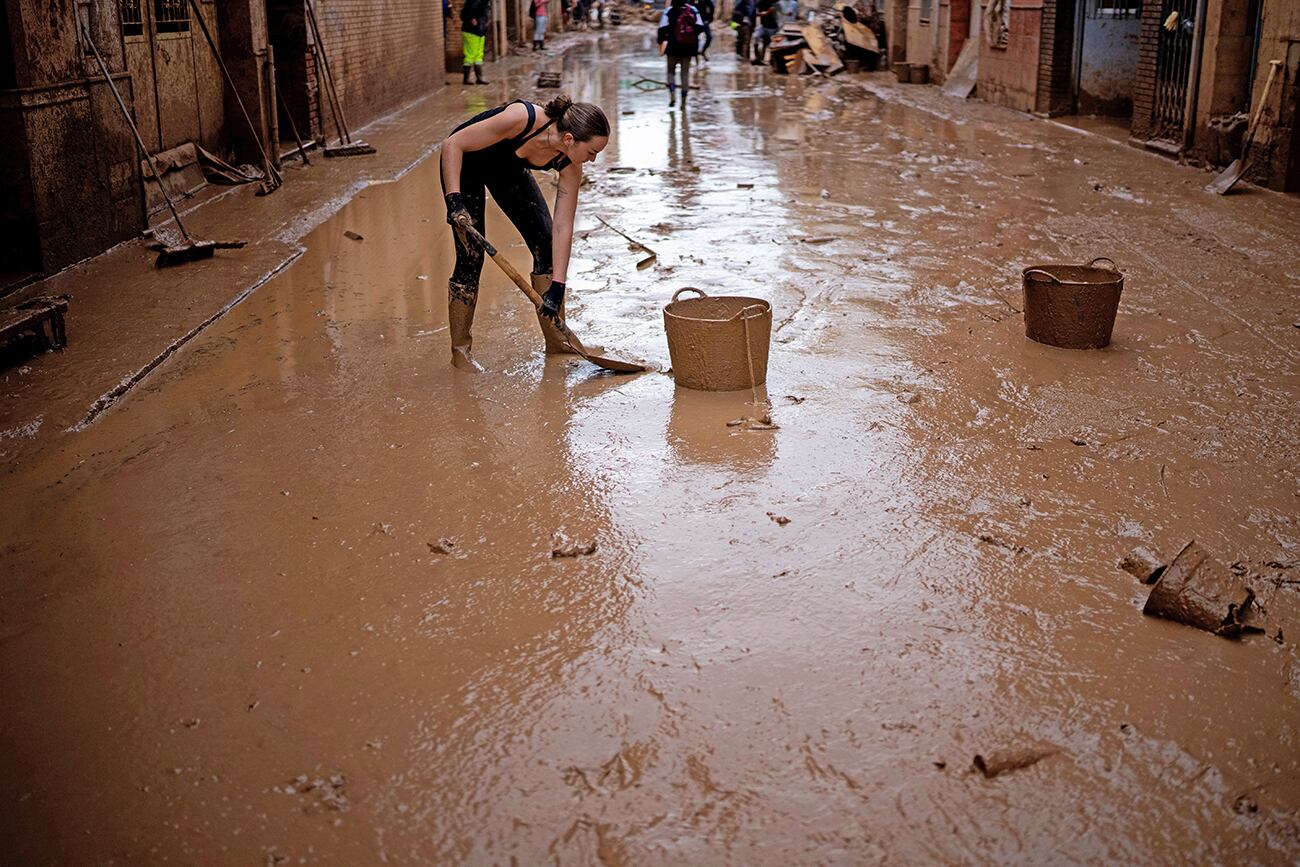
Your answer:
<point x="1226" y="179"/>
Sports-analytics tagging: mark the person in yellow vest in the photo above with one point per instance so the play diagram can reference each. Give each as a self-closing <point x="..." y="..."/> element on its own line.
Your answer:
<point x="474" y="27"/>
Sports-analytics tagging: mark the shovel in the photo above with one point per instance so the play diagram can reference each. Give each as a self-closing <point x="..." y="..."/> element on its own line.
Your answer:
<point x="1229" y="176"/>
<point x="561" y="331"/>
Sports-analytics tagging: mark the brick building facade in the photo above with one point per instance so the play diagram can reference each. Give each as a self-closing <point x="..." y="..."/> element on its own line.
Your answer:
<point x="71" y="183"/>
<point x="1182" y="84"/>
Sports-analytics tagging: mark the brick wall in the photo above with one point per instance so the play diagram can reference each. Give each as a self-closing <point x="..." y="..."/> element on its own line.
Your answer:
<point x="1144" y="85"/>
<point x="1009" y="76"/>
<point x="382" y="53"/>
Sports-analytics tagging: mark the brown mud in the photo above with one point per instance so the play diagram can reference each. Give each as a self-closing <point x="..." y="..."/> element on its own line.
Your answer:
<point x="293" y="597"/>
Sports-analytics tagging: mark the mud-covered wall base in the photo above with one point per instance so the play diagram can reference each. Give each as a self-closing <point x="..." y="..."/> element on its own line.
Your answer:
<point x="76" y="190"/>
<point x="1008" y="74"/>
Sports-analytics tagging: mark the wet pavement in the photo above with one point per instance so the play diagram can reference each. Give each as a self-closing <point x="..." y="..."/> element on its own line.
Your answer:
<point x="292" y="598"/>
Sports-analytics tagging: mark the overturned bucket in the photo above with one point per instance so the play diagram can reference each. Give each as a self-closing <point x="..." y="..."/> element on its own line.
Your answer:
<point x="1072" y="306"/>
<point x="718" y="343"/>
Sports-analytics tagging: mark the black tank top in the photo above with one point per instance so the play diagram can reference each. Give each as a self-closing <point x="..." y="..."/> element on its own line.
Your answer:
<point x="505" y="149"/>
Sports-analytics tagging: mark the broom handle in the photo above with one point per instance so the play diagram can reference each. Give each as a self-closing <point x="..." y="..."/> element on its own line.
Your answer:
<point x="230" y="82"/>
<point x="336" y="107"/>
<point x="126" y="112"/>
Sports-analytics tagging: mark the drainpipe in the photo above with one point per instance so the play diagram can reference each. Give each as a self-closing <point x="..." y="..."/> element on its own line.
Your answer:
<point x="1194" y="78"/>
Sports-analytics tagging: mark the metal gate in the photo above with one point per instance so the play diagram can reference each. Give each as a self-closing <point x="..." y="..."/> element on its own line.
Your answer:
<point x="1174" y="54"/>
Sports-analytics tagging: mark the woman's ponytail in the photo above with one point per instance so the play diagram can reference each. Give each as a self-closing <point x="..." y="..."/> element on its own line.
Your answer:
<point x="582" y="120"/>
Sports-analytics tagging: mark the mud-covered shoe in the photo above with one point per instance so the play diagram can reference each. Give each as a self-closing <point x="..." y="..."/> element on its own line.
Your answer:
<point x="461" y="301"/>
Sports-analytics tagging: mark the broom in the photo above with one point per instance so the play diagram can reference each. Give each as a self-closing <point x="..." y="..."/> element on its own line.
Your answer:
<point x="346" y="146"/>
<point x="188" y="249"/>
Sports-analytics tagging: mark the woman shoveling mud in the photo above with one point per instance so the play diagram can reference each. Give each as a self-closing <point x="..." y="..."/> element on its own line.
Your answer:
<point x="496" y="152"/>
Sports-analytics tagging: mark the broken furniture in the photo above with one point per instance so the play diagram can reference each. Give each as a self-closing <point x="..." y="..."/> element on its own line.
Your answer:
<point x="32" y="315"/>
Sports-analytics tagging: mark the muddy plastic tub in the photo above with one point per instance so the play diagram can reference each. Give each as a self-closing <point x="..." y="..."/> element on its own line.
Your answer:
<point x="718" y="342"/>
<point x="1072" y="306"/>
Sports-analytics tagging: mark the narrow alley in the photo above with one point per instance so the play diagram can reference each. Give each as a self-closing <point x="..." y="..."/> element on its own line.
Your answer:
<point x="278" y="583"/>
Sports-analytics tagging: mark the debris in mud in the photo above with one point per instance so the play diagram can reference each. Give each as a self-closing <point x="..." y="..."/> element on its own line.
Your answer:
<point x="381" y="528"/>
<point x="761" y="423"/>
<point x="353" y="236"/>
<point x="795" y="399"/>
<point x="442" y="546"/>
<point x="563" y="546"/>
<point x="329" y="792"/>
<point x="744" y="186"/>
<point x="818" y="240"/>
<point x="1012" y="759"/>
<point x="990" y="539"/>
<point x="908" y="397"/>
<point x="634" y="245"/>
<point x="779" y="520"/>
<point x="1199" y="591"/>
<point x="1142" y="565"/>
<point x="621" y="170"/>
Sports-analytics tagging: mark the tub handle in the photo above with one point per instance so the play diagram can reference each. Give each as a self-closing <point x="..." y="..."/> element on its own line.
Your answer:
<point x="1047" y="274"/>
<point x="700" y="292"/>
<point x="1113" y="266"/>
<point x="743" y="313"/>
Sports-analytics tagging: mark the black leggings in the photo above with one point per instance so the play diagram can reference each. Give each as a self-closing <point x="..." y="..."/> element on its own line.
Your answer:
<point x="516" y="192"/>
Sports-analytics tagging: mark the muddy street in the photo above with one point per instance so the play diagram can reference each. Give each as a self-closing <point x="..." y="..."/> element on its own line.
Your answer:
<point x="291" y="598"/>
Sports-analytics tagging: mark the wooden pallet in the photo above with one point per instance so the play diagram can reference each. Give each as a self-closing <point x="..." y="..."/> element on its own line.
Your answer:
<point x="32" y="315"/>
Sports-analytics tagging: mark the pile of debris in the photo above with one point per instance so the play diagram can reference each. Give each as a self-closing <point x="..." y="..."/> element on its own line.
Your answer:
<point x="843" y="37"/>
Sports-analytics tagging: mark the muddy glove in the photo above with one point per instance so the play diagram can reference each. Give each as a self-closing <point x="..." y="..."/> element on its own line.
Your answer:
<point x="458" y="215"/>
<point x="553" y="300"/>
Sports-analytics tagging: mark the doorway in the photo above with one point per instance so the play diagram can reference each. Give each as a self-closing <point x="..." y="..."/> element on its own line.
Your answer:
<point x="295" y="69"/>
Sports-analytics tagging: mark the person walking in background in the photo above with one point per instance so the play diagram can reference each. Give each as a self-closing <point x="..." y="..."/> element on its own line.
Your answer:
<point x="742" y="21"/>
<point x="538" y="11"/>
<point x="767" y="28"/>
<point x="680" y="27"/>
<point x="474" y="25"/>
<point x="706" y="10"/>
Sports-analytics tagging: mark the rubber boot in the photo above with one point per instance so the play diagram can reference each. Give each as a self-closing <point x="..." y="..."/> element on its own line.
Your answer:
<point x="478" y="74"/>
<point x="466" y="69"/>
<point x="555" y="343"/>
<point x="461" y="301"/>
<point x="672" y="95"/>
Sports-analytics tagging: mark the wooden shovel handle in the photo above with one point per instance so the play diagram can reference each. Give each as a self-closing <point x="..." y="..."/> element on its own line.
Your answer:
<point x="524" y="285"/>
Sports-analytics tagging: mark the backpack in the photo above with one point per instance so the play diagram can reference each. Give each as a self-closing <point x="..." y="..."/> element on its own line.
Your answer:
<point x="685" y="30"/>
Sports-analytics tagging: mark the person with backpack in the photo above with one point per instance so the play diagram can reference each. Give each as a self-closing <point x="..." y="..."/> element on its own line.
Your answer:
<point x="538" y="12"/>
<point x="680" y="27"/>
<point x="706" y="10"/>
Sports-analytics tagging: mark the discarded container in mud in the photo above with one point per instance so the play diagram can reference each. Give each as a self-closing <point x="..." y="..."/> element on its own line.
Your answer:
<point x="1072" y="306"/>
<point x="1200" y="591"/>
<point x="904" y="72"/>
<point x="920" y="73"/>
<point x="718" y="343"/>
